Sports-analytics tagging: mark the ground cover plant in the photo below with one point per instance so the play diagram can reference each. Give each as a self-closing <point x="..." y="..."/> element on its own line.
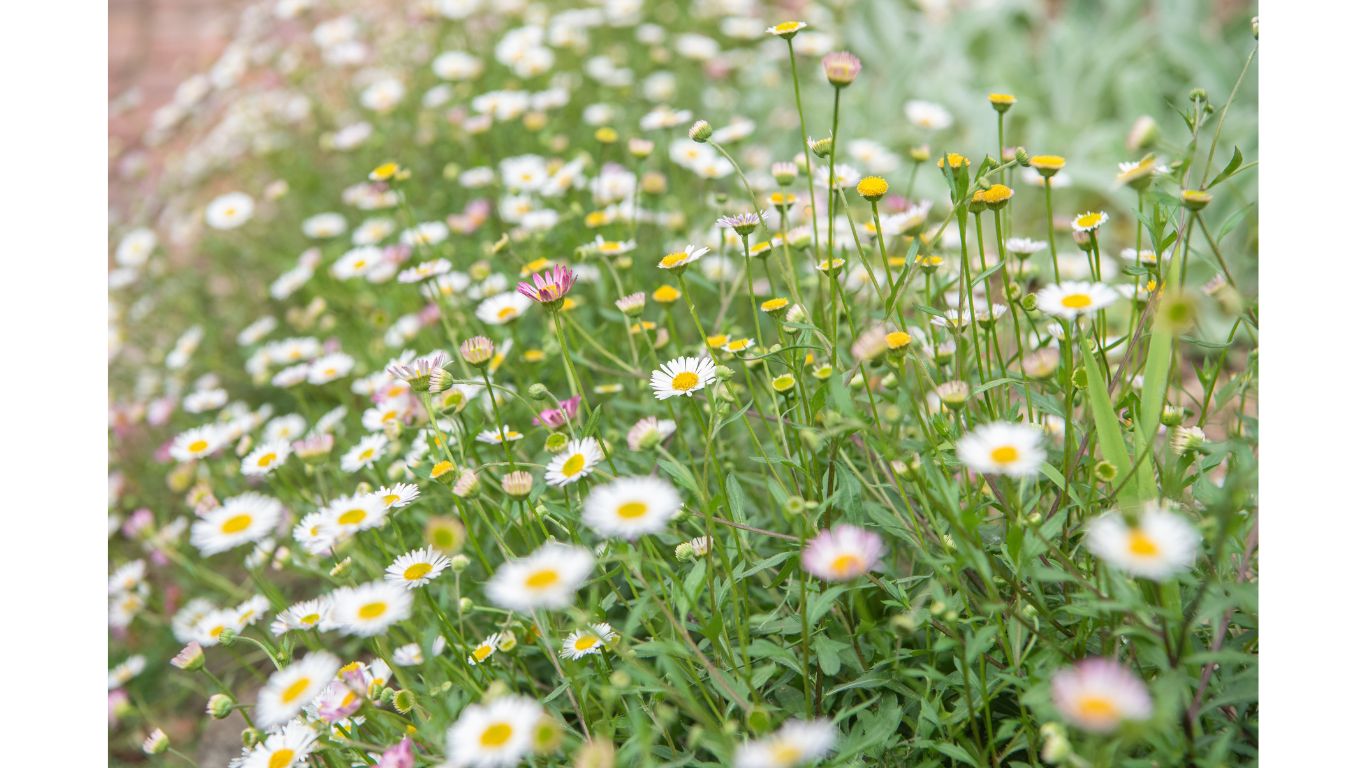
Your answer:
<point x="617" y="383"/>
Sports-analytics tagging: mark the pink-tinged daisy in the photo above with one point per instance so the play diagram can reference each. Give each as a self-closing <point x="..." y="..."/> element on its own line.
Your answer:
<point x="841" y="67"/>
<point x="842" y="553"/>
<point x="1098" y="694"/>
<point x="554" y="418"/>
<point x="549" y="288"/>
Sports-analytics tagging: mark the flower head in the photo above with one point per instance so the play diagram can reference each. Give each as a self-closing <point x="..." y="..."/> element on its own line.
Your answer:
<point x="1159" y="545"/>
<point x="797" y="742"/>
<point x="841" y="67"/>
<point x="549" y="288"/>
<point x="546" y="578"/>
<point x="1098" y="694"/>
<point x="1003" y="448"/>
<point x="682" y="376"/>
<point x="842" y="553"/>
<point x="1070" y="299"/>
<point x="631" y="507"/>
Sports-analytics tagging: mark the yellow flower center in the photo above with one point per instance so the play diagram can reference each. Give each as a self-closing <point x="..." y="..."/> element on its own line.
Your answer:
<point x="546" y="577"/>
<point x="281" y="758"/>
<point x="1142" y="545"/>
<point x="295" y="690"/>
<point x="1097" y="708"/>
<point x="847" y="564"/>
<point x="442" y="468"/>
<point x="482" y="652"/>
<point x="787" y="26"/>
<point x="236" y="524"/>
<point x="495" y="735"/>
<point x="1077" y="300"/>
<point x="685" y="381"/>
<point x="367" y="454"/>
<point x="773" y="304"/>
<point x="416" y="571"/>
<point x="1086" y="221"/>
<point x="1048" y="162"/>
<point x="632" y="510"/>
<point x="506" y="312"/>
<point x="390" y="498"/>
<point x="673" y="259"/>
<point x="898" y="339"/>
<point x="266" y="460"/>
<point x="352" y="517"/>
<point x="371" y="611"/>
<point x="1005" y="454"/>
<point x="198" y="446"/>
<point x="786" y="754"/>
<point x="586" y="642"/>
<point x="666" y="294"/>
<point x="573" y="465"/>
<point x="310" y="619"/>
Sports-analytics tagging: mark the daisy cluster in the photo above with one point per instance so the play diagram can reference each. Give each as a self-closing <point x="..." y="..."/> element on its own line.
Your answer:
<point x="502" y="383"/>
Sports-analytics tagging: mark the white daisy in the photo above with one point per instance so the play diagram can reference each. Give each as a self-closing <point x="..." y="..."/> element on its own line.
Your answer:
<point x="310" y="614"/>
<point x="1161" y="545"/>
<point x="1070" y="299"/>
<point x="546" y="578"/>
<point x="503" y="434"/>
<point x="1002" y="448"/>
<point x="577" y="460"/>
<point x="494" y="735"/>
<point x="365" y="454"/>
<point x="845" y="552"/>
<point x="1098" y="694"/>
<point x="928" y="115"/>
<point x="584" y="642"/>
<point x="330" y="368"/>
<point x="682" y="376"/>
<point x="503" y="308"/>
<point x="631" y="507"/>
<point x="397" y="496"/>
<point x="370" y="609"/>
<point x="483" y="650"/>
<point x="289" y="689"/>
<point x="360" y="512"/>
<point x="324" y="225"/>
<point x="197" y="443"/>
<point x="285" y="748"/>
<point x="229" y="211"/>
<point x="240" y="520"/>
<point x="680" y="259"/>
<point x="265" y="458"/>
<point x="417" y="568"/>
<point x="795" y="743"/>
<point x="1089" y="221"/>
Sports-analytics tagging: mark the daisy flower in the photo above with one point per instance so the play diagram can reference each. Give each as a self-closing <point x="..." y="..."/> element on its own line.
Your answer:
<point x="787" y="29"/>
<point x="197" y="443"/>
<point x="1023" y="246"/>
<point x="546" y="578"/>
<point x="797" y="742"/>
<point x="842" y="553"/>
<point x="583" y="642"/>
<point x="549" y="288"/>
<point x="1098" y="694"/>
<point x="502" y="308"/>
<point x="397" y="496"/>
<point x="503" y="434"/>
<point x="417" y="568"/>
<point x="285" y="748"/>
<point x="265" y="458"/>
<point x="310" y="614"/>
<point x="928" y="115"/>
<point x="370" y="609"/>
<point x="682" y="376"/>
<point x="1002" y="448"/>
<point x="1160" y="546"/>
<point x="240" y="520"/>
<point x="486" y="648"/>
<point x="494" y="735"/>
<point x="578" y="459"/>
<point x="229" y="211"/>
<point x="631" y="507"/>
<point x="680" y="259"/>
<point x="649" y="432"/>
<point x="365" y="454"/>
<point x="349" y="514"/>
<point x="289" y="689"/>
<point x="329" y="368"/>
<point x="1089" y="221"/>
<point x="1070" y="299"/>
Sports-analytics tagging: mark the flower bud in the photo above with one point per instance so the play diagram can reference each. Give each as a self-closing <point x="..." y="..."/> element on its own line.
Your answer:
<point x="477" y="351"/>
<point x="190" y="658"/>
<point x="841" y="68"/>
<point x="700" y="131"/>
<point x="517" y="484"/>
<point x="1105" y="471"/>
<point x="404" y="701"/>
<point x="220" y="706"/>
<point x="156" y="742"/>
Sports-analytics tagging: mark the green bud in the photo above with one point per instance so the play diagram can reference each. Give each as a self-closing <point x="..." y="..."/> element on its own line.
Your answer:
<point x="538" y="391"/>
<point x="220" y="706"/>
<point x="1029" y="302"/>
<point x="700" y="131"/>
<point x="724" y="372"/>
<point x="404" y="701"/>
<point x="1106" y="472"/>
<point x="1079" y="378"/>
<point x="556" y="442"/>
<point x="759" y="720"/>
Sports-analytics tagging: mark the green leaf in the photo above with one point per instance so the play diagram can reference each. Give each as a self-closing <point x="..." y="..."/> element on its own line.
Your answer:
<point x="1232" y="166"/>
<point x="1108" y="432"/>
